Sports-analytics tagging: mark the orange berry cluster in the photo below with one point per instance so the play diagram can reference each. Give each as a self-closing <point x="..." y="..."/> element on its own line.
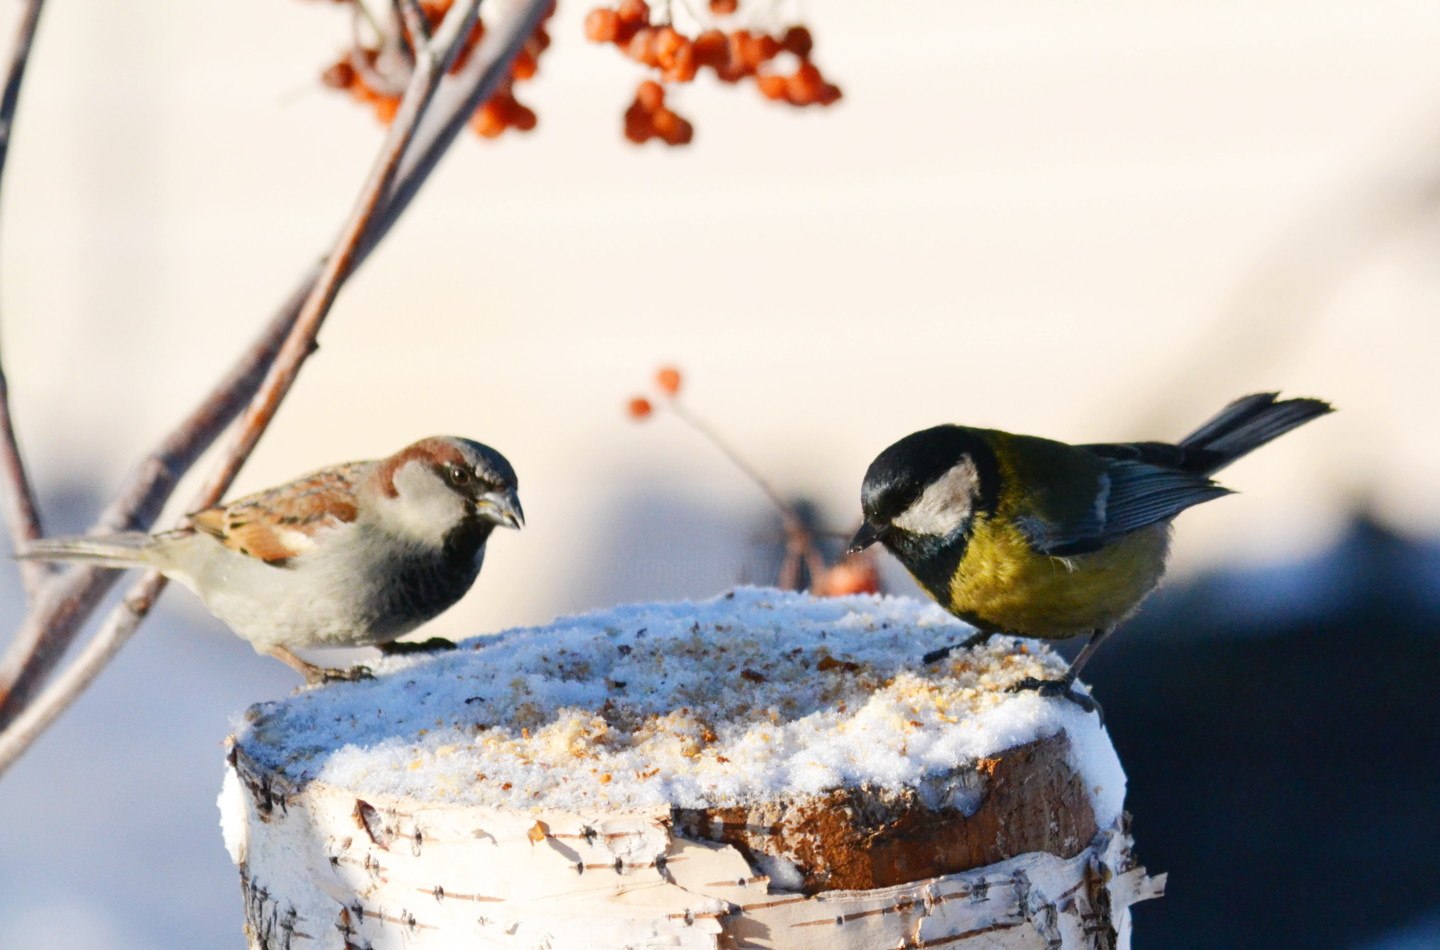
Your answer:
<point x="358" y="72"/>
<point x="733" y="57"/>
<point x="667" y="380"/>
<point x="648" y="118"/>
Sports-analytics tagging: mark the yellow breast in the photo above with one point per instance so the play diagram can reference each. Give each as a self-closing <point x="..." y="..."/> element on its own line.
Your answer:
<point x="1002" y="583"/>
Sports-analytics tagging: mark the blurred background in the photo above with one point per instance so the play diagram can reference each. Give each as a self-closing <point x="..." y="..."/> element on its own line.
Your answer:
<point x="1094" y="222"/>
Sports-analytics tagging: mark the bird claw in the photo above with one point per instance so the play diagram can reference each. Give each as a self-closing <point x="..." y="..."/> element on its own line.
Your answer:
<point x="352" y="675"/>
<point x="1062" y="689"/>
<point x="974" y="640"/>
<point x="935" y="656"/>
<point x="403" y="647"/>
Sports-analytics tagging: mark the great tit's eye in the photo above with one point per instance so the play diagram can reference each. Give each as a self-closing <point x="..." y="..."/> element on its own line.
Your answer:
<point x="458" y="476"/>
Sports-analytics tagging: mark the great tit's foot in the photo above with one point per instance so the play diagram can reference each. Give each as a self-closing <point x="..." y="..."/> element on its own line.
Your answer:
<point x="974" y="640"/>
<point x="402" y="647"/>
<point x="1061" y="688"/>
<point x="935" y="656"/>
<point x="330" y="675"/>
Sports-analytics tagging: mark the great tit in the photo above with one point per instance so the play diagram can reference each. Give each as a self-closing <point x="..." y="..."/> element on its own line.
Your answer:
<point x="1027" y="536"/>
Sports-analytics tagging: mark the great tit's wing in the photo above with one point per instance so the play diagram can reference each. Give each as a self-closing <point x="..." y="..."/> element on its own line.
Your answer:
<point x="1162" y="454"/>
<point x="1125" y="495"/>
<point x="1142" y="494"/>
<point x="278" y="524"/>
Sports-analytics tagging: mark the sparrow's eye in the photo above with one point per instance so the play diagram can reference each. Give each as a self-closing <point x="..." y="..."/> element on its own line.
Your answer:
<point x="458" y="476"/>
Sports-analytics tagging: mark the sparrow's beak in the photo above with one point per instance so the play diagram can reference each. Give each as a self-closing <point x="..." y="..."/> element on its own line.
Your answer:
<point x="866" y="536"/>
<point x="503" y="508"/>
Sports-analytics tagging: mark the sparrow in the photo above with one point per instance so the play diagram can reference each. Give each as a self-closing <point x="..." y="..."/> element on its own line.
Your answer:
<point x="356" y="554"/>
<point x="1027" y="536"/>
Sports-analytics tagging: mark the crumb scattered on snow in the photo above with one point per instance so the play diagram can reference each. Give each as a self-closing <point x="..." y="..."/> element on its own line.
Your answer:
<point x="756" y="694"/>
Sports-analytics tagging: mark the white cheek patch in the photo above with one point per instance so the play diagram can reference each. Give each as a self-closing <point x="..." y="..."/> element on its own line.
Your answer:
<point x="424" y="508"/>
<point x="946" y="504"/>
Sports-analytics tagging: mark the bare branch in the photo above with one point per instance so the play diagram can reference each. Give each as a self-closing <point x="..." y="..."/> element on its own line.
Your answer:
<point x="416" y="23"/>
<point x="65" y="602"/>
<point x="456" y="102"/>
<point x="21" y="512"/>
<point x="75" y="678"/>
<point x="369" y="222"/>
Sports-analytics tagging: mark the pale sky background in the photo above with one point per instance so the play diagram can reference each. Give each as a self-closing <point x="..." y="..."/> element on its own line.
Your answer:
<point x="1086" y="221"/>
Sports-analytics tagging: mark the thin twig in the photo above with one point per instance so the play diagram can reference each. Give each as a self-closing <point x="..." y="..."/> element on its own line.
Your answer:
<point x="301" y="341"/>
<point x="64" y="603"/>
<point x="368" y="223"/>
<point x="416" y="23"/>
<point x="456" y="102"/>
<point x="21" y="512"/>
<point x="793" y="523"/>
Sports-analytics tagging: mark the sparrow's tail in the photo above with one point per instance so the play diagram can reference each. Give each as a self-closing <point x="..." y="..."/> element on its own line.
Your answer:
<point x="1243" y="426"/>
<point x="110" y="550"/>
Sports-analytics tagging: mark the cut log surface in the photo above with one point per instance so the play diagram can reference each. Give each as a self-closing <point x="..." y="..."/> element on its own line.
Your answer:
<point x="759" y="770"/>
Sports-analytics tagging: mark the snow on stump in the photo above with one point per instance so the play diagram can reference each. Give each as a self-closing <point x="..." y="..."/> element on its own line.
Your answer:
<point x="763" y="769"/>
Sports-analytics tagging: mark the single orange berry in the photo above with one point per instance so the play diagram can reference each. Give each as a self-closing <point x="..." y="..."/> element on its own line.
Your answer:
<point x="640" y="407"/>
<point x="339" y="76"/>
<point x="711" y="49"/>
<point x="522" y="117"/>
<point x="723" y="7"/>
<point x="524" y="65"/>
<point x="682" y="67"/>
<point x="758" y="50"/>
<point x="650" y="95"/>
<point x="668" y="379"/>
<point x="673" y="128"/>
<point x="798" y="40"/>
<point x="634" y="11"/>
<point x="667" y="42"/>
<point x="489" y="120"/>
<point x="641" y="47"/>
<point x="804" y="87"/>
<point x="772" y="86"/>
<point x="385" y="108"/>
<point x="602" y="25"/>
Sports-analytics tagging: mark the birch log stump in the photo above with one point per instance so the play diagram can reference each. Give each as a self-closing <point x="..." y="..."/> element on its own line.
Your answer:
<point x="759" y="770"/>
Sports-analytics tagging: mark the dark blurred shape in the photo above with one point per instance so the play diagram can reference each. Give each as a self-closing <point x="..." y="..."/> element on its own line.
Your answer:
<point x="773" y="560"/>
<point x="1281" y="733"/>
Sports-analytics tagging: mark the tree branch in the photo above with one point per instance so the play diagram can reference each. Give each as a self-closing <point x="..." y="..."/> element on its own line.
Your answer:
<point x="21" y="512"/>
<point x="64" y="603"/>
<point x="379" y="206"/>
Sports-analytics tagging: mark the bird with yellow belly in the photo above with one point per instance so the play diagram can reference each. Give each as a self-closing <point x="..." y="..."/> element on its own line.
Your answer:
<point x="1028" y="536"/>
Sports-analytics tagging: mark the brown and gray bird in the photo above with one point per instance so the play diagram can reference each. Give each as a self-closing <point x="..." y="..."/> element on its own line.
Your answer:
<point x="351" y="555"/>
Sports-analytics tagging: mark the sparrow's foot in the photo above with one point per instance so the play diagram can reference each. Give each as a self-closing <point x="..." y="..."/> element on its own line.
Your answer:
<point x="318" y="675"/>
<point x="1061" y="688"/>
<point x="974" y="640"/>
<point x="402" y="647"/>
<point x="325" y="674"/>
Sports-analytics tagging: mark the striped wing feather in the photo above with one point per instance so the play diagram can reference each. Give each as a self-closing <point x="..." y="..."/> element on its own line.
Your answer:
<point x="281" y="523"/>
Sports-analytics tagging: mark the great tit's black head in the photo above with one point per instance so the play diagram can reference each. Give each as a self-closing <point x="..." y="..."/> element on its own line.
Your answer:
<point x="921" y="493"/>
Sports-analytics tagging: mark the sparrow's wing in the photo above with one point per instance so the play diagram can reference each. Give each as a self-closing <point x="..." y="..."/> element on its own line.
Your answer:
<point x="1082" y="508"/>
<point x="281" y="523"/>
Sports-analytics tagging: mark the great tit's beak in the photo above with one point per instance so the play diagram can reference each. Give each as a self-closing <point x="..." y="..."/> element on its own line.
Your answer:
<point x="501" y="507"/>
<point x="866" y="536"/>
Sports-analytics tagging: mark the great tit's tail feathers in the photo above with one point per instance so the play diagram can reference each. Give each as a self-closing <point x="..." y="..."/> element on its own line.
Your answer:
<point x="1245" y="425"/>
<point x="111" y="550"/>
